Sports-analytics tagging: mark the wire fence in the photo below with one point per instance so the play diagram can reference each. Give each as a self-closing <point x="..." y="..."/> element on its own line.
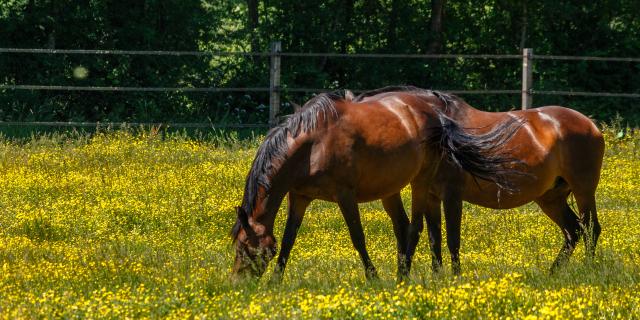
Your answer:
<point x="312" y="54"/>
<point x="132" y="89"/>
<point x="76" y="124"/>
<point x="275" y="88"/>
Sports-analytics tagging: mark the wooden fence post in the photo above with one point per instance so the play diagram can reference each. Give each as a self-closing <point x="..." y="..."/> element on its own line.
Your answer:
<point x="527" y="79"/>
<point x="274" y="83"/>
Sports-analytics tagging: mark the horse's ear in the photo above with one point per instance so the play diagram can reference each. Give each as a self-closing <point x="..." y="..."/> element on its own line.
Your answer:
<point x="348" y="95"/>
<point x="296" y="107"/>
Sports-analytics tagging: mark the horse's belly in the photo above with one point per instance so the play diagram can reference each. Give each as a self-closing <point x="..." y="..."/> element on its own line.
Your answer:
<point x="369" y="173"/>
<point x="489" y="195"/>
<point x="381" y="189"/>
<point x="498" y="200"/>
<point x="382" y="176"/>
<point x="370" y="188"/>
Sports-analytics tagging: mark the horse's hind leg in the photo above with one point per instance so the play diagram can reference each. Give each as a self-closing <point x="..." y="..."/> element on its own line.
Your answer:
<point x="453" y="218"/>
<point x="349" y="208"/>
<point x="554" y="204"/>
<point x="433" y="217"/>
<point x="394" y="208"/>
<point x="588" y="221"/>
<point x="583" y="175"/>
<point x="425" y="205"/>
<point x="415" y="228"/>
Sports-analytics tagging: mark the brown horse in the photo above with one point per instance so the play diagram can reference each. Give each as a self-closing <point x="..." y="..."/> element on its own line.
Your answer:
<point x="558" y="151"/>
<point x="347" y="150"/>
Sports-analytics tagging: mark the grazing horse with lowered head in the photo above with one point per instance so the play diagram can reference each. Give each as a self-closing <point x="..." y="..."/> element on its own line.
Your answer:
<point x="557" y="151"/>
<point x="349" y="150"/>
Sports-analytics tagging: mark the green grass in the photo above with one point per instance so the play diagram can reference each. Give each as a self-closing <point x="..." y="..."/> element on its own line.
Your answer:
<point x="135" y="224"/>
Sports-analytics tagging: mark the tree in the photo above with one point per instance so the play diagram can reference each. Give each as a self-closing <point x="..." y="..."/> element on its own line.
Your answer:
<point x="562" y="27"/>
<point x="437" y="17"/>
<point x="252" y="23"/>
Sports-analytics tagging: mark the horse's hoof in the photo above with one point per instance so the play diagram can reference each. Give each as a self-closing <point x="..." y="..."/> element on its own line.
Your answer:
<point x="275" y="279"/>
<point x="402" y="277"/>
<point x="456" y="270"/>
<point x="372" y="275"/>
<point x="436" y="268"/>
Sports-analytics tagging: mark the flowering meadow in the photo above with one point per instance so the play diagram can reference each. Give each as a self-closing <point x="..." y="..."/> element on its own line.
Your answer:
<point x="135" y="224"/>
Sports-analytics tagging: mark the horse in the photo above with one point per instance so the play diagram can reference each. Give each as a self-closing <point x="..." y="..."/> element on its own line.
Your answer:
<point x="350" y="150"/>
<point x="558" y="151"/>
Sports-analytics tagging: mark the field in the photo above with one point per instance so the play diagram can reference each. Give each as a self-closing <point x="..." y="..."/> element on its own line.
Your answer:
<point x="136" y="224"/>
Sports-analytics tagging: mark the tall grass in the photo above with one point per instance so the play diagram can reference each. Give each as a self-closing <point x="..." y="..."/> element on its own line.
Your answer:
<point x="135" y="224"/>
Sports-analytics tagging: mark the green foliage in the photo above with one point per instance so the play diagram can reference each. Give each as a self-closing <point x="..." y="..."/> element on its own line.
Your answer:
<point x="567" y="27"/>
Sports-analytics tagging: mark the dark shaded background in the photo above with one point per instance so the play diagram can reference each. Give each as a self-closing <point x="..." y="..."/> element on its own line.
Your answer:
<point x="558" y="27"/>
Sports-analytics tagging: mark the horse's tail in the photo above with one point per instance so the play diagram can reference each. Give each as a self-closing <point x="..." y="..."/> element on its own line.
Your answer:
<point x="482" y="155"/>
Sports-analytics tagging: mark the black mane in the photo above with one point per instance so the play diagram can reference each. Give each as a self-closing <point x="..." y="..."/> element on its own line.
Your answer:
<point x="272" y="152"/>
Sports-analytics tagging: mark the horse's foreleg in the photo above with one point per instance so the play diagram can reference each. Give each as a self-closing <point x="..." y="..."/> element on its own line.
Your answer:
<point x="297" y="206"/>
<point x="394" y="208"/>
<point x="349" y="208"/>
<point x="453" y="217"/>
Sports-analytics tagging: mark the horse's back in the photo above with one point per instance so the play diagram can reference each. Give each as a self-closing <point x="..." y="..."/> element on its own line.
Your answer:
<point x="581" y="143"/>
<point x="578" y="138"/>
<point x="374" y="147"/>
<point x="384" y="123"/>
<point x="554" y="142"/>
<point x="553" y="126"/>
<point x="570" y="122"/>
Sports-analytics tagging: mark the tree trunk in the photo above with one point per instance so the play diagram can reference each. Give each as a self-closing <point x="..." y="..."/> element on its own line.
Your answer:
<point x="437" y="17"/>
<point x="51" y="29"/>
<point x="523" y="30"/>
<point x="51" y="40"/>
<point x="348" y="14"/>
<point x="252" y="23"/>
<point x="392" y="33"/>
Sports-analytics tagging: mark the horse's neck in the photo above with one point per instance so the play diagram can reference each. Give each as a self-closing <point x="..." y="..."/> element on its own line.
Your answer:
<point x="270" y="204"/>
<point x="279" y="184"/>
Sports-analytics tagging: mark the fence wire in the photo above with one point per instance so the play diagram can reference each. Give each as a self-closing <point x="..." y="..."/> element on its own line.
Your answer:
<point x="274" y="89"/>
<point x="134" y="52"/>
<point x="587" y="94"/>
<point x="191" y="89"/>
<point x="131" y="89"/>
<point x="313" y="54"/>
<point x="260" y="54"/>
<point x="131" y="125"/>
<point x="584" y="58"/>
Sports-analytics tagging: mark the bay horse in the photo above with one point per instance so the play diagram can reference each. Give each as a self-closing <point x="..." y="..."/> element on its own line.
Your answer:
<point x="558" y="151"/>
<point x="349" y="150"/>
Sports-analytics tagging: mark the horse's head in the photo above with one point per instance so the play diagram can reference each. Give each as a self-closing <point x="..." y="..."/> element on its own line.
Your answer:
<point x="255" y="246"/>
